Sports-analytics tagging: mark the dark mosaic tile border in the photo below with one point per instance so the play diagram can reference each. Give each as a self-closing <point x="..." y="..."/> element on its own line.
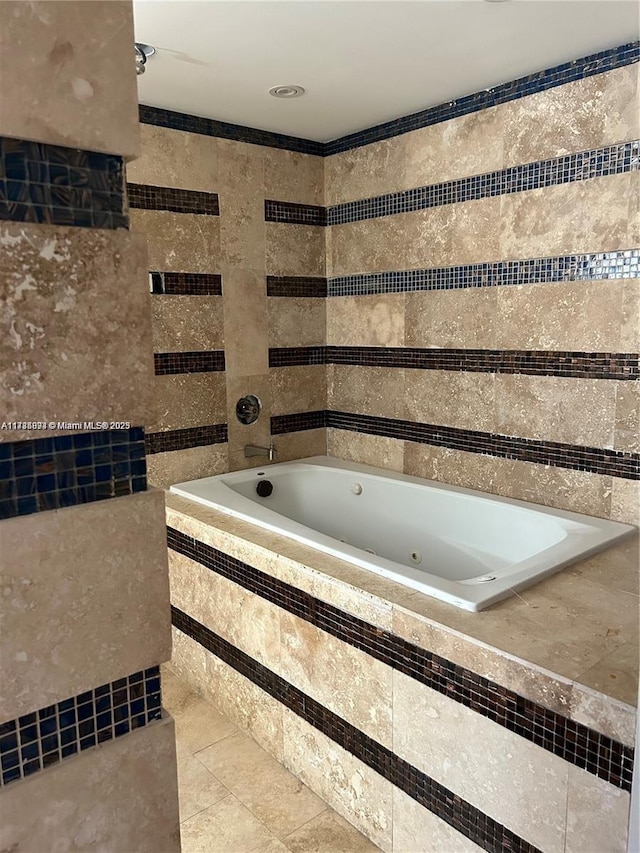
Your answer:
<point x="597" y="163"/>
<point x="597" y="266"/>
<point x="532" y="362"/>
<point x="183" y="439"/>
<point x="51" y="473"/>
<point x="596" y="460"/>
<point x="147" y="197"/>
<point x="293" y="213"/>
<point x="61" y="186"/>
<point x="48" y="736"/>
<point x="541" y="81"/>
<point x="461" y="815"/>
<point x="185" y="284"/>
<point x="568" y="739"/>
<point x="209" y="361"/>
<point x="224" y="130"/>
<point x="288" y="285"/>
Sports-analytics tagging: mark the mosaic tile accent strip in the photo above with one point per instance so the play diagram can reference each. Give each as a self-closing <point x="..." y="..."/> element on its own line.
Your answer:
<point x="48" y="736"/>
<point x="147" y="197"/>
<point x="600" y="162"/>
<point x="61" y="186"/>
<point x="294" y="214"/>
<point x="541" y="81"/>
<point x="536" y="363"/>
<point x="597" y="266"/>
<point x="182" y="439"/>
<point x="66" y="470"/>
<point x="185" y="284"/>
<point x="281" y="424"/>
<point x="286" y="285"/>
<point x="208" y="361"/>
<point x="570" y="740"/>
<point x="461" y="815"/>
<point x="225" y="130"/>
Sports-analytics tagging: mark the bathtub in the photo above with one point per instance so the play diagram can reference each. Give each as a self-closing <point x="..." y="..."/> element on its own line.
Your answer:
<point x="461" y="546"/>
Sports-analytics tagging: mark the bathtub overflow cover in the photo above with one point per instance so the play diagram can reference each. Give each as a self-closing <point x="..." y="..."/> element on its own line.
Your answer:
<point x="416" y="557"/>
<point x="356" y="489"/>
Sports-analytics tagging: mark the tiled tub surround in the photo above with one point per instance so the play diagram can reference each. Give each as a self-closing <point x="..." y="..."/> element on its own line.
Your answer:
<point x="523" y="645"/>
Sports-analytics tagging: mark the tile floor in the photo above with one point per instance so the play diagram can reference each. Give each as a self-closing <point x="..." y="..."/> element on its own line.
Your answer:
<point x="236" y="798"/>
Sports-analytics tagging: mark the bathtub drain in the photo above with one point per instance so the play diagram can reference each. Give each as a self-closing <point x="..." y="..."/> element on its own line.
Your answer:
<point x="416" y="557"/>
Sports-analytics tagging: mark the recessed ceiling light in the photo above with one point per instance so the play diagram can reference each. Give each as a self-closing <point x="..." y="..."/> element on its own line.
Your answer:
<point x="286" y="91"/>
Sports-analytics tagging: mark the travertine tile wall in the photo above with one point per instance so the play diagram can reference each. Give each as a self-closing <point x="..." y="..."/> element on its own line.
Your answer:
<point x="244" y="249"/>
<point x="594" y="316"/>
<point x="86" y="594"/>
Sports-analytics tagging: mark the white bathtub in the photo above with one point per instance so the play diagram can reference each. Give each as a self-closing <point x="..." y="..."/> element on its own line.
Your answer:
<point x="458" y="545"/>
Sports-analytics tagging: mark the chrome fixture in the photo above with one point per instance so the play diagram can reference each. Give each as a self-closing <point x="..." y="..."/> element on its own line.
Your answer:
<point x="255" y="450"/>
<point x="248" y="409"/>
<point x="142" y="52"/>
<point x="286" y="91"/>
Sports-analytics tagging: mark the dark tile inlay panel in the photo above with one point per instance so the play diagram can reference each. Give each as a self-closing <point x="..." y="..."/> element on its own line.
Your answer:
<point x="45" y="737"/>
<point x="186" y="284"/>
<point x="225" y="130"/>
<point x="148" y="197"/>
<point x="540" y="81"/>
<point x="286" y="285"/>
<point x="599" y="365"/>
<point x="61" y="186"/>
<point x="51" y="473"/>
<point x="572" y="741"/>
<point x="611" y="160"/>
<point x="592" y="267"/>
<point x="455" y="811"/>
<point x="182" y="439"/>
<point x="298" y="422"/>
<point x="206" y="361"/>
<point x="295" y="214"/>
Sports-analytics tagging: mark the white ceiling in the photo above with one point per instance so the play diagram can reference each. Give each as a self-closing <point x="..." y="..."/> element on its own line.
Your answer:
<point x="361" y="62"/>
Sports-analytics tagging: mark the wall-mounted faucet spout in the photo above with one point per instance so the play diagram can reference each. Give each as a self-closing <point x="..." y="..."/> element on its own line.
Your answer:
<point x="255" y="450"/>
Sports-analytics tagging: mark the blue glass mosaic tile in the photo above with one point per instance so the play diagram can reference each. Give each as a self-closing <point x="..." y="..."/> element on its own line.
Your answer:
<point x="37" y="740"/>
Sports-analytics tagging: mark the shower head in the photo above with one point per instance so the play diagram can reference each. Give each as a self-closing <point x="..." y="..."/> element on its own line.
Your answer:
<point x="142" y="53"/>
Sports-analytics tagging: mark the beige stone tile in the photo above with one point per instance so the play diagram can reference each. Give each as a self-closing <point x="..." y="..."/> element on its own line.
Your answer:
<point x="554" y="408"/>
<point x="578" y="316"/>
<point x="616" y="568"/>
<point x="366" y="321"/>
<point x="56" y="91"/>
<point x="295" y="249"/>
<point x="61" y="359"/>
<point x="296" y="321"/>
<point x="189" y="663"/>
<point x="179" y="242"/>
<point x="464" y="400"/>
<point x="367" y="171"/>
<point x="242" y="226"/>
<point x="290" y="176"/>
<point x="188" y="400"/>
<point x="456" y="467"/>
<point x="300" y="445"/>
<point x="605" y="714"/>
<point x="454" y="149"/>
<point x="85" y="567"/>
<point x="417" y="830"/>
<point x="180" y="466"/>
<point x="197" y="787"/>
<point x="566" y="218"/>
<point x="175" y="158"/>
<point x="198" y="723"/>
<point x="630" y="333"/>
<point x="455" y="319"/>
<point x="625" y="501"/>
<point x="589" y="113"/>
<point x="176" y="692"/>
<point x="272" y="794"/>
<point x="617" y="674"/>
<point x="298" y="389"/>
<point x="256" y="433"/>
<point x="377" y="450"/>
<point x="597" y="815"/>
<point x="627" y="429"/>
<point x="243" y="618"/>
<point x="519" y="784"/>
<point x="187" y="323"/>
<point x="366" y="390"/>
<point x="346" y="680"/>
<point x="328" y="833"/>
<point x="73" y="803"/>
<point x="245" y="323"/>
<point x="346" y="784"/>
<point x="225" y="827"/>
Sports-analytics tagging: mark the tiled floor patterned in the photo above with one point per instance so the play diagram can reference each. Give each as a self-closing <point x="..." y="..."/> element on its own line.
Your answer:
<point x="235" y="798"/>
